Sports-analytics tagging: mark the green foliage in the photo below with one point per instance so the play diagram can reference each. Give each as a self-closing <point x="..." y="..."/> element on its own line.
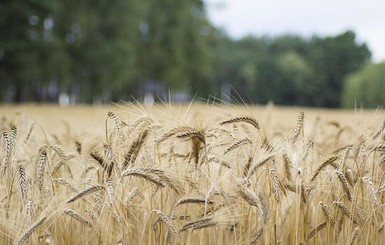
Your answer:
<point x="333" y="59"/>
<point x="365" y="87"/>
<point x="93" y="49"/>
<point x="108" y="50"/>
<point x="289" y="69"/>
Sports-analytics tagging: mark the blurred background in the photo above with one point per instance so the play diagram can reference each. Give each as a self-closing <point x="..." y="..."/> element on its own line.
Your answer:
<point x="291" y="53"/>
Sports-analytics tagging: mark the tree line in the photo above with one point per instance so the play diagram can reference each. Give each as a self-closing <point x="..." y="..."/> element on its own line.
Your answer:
<point x="116" y="50"/>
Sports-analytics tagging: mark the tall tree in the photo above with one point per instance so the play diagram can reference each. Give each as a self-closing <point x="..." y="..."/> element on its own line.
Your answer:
<point x="365" y="87"/>
<point x="333" y="58"/>
<point x="24" y="42"/>
<point x="174" y="47"/>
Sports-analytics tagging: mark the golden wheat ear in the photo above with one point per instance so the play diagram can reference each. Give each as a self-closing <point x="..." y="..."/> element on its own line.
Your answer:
<point x="30" y="230"/>
<point x="379" y="130"/>
<point x="298" y="127"/>
<point x="246" y="119"/>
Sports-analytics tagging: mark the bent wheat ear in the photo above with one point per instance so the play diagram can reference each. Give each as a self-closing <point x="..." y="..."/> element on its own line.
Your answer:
<point x="145" y="174"/>
<point x="329" y="161"/>
<point x="166" y="219"/>
<point x="134" y="149"/>
<point x="237" y="144"/>
<point x="197" y="200"/>
<point x="192" y="134"/>
<point x="76" y="216"/>
<point x="174" y="132"/>
<point x="259" y="164"/>
<point x="196" y="223"/>
<point x="87" y="191"/>
<point x="245" y="119"/>
<point x="314" y="231"/>
<point x="66" y="184"/>
<point x="60" y="151"/>
<point x="346" y="211"/>
<point x="30" y="230"/>
<point x="255" y="238"/>
<point x="248" y="195"/>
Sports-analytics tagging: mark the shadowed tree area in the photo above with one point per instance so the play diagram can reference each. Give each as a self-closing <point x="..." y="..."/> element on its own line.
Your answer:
<point x="101" y="51"/>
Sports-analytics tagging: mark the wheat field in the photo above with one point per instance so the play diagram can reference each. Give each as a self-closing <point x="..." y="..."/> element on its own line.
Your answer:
<point x="191" y="174"/>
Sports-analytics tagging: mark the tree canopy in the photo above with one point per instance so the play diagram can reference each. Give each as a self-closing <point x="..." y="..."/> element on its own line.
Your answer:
<point x="365" y="87"/>
<point x="112" y="50"/>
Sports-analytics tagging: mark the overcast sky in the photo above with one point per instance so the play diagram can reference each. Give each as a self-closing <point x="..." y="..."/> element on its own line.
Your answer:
<point x="322" y="17"/>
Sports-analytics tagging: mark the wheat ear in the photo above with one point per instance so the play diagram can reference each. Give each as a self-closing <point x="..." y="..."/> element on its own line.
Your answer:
<point x="30" y="230"/>
<point x="87" y="191"/>
<point x="78" y="217"/>
<point x="255" y="238"/>
<point x="298" y="127"/>
<point x="354" y="236"/>
<point x="328" y="161"/>
<point x="314" y="231"/>
<point x="166" y="219"/>
<point x="246" y="119"/>
<point x="237" y="144"/>
<point x="379" y="130"/>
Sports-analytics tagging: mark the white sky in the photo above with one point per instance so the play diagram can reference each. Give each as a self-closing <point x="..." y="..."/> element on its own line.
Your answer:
<point x="304" y="17"/>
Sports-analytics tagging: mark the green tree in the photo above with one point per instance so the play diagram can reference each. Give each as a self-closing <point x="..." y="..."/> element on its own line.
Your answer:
<point x="295" y="76"/>
<point x="332" y="59"/>
<point x="174" y="47"/>
<point x="365" y="87"/>
<point x="99" y="40"/>
<point x="25" y="40"/>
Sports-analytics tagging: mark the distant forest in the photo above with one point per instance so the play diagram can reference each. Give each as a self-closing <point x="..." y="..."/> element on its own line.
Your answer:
<point x="101" y="51"/>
